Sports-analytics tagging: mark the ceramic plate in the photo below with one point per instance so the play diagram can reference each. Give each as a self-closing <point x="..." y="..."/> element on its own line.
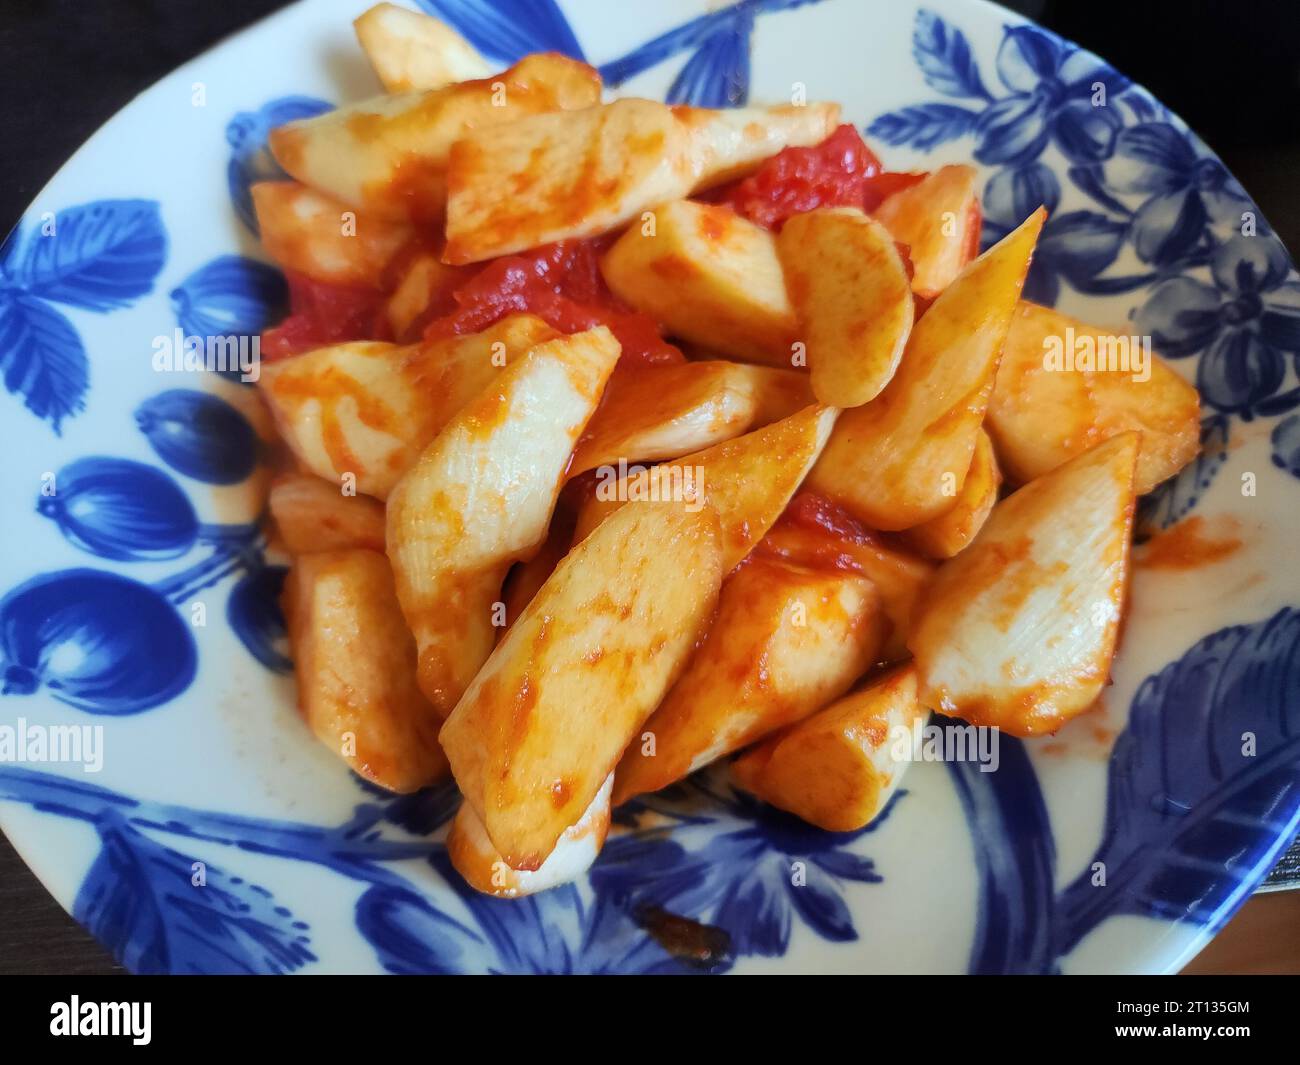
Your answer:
<point x="200" y="828"/>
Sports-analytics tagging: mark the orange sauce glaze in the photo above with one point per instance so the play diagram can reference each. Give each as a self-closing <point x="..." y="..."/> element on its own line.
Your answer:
<point x="1189" y="544"/>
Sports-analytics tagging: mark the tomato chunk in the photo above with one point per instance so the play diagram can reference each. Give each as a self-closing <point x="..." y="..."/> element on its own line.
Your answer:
<point x="840" y="172"/>
<point x="321" y="314"/>
<point x="562" y="285"/>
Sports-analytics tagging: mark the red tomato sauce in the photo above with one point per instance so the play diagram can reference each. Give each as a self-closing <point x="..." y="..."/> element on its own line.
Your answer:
<point x="321" y="314"/>
<point x="562" y="285"/>
<point x="810" y="510"/>
<point x="840" y="172"/>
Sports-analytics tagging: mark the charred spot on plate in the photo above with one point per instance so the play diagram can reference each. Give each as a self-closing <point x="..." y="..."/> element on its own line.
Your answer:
<point x="702" y="946"/>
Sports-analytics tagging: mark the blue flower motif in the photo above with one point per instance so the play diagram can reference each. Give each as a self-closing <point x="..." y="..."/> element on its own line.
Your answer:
<point x="556" y="932"/>
<point x="1053" y="85"/>
<point x="751" y="881"/>
<point x="1186" y="188"/>
<point x="1074" y="247"/>
<point x="1244" y="324"/>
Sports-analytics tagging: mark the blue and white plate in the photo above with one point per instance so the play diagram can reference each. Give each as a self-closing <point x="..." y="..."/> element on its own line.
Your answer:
<point x="137" y="597"/>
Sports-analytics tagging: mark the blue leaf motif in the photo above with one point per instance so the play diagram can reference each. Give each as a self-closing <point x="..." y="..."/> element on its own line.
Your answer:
<point x="509" y="29"/>
<point x="199" y="435"/>
<point x="100" y="642"/>
<point x="554" y="932"/>
<point x="253" y="612"/>
<point x="409" y="936"/>
<point x="421" y="813"/>
<point x="944" y="56"/>
<point x="1204" y="786"/>
<point x="1015" y="854"/>
<point x="719" y="37"/>
<point x="119" y="509"/>
<point x="737" y="879"/>
<point x="1175" y="498"/>
<point x="42" y="358"/>
<point x="139" y="899"/>
<point x="757" y="911"/>
<point x="718" y="74"/>
<point x="99" y="256"/>
<point x="923" y="126"/>
<point x="250" y="159"/>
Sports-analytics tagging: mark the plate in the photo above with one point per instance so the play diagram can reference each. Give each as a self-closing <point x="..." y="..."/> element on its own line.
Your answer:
<point x="197" y="827"/>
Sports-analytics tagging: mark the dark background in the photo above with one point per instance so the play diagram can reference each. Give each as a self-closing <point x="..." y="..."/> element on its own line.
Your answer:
<point x="1230" y="68"/>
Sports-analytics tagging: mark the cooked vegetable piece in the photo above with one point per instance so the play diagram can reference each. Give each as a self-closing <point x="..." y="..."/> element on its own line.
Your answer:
<point x="314" y="515"/>
<point x="897" y="461"/>
<point x="411" y="51"/>
<point x="474" y="857"/>
<point x="838" y="768"/>
<point x="1043" y="411"/>
<point x="664" y="412"/>
<point x="785" y="641"/>
<point x="852" y="297"/>
<point x="552" y="177"/>
<point x="480" y="498"/>
<point x="938" y="218"/>
<point x="425" y="283"/>
<point x="730" y="142"/>
<point x="1019" y="630"/>
<point x="779" y="393"/>
<point x="323" y="238"/>
<point x="709" y="276"/>
<point x="388" y="155"/>
<point x="369" y="409"/>
<point x="813" y="532"/>
<point x="526" y="578"/>
<point x="355" y="664"/>
<point x="542" y="725"/>
<point x="747" y="481"/>
<point x="951" y="531"/>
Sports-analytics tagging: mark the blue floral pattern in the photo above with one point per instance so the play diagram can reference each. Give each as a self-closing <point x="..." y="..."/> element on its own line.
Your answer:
<point x="1204" y="796"/>
<point x="1190" y="823"/>
<point x="97" y="257"/>
<point x="1153" y="189"/>
<point x="250" y="158"/>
